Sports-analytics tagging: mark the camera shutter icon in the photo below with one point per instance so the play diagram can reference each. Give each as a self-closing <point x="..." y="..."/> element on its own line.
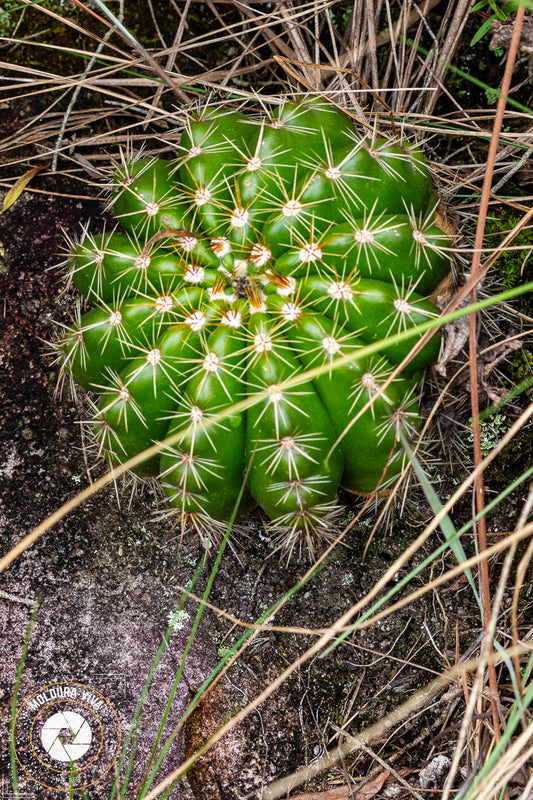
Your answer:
<point x="66" y="736"/>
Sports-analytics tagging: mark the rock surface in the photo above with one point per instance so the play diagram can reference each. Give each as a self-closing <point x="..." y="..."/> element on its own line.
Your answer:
<point x="106" y="576"/>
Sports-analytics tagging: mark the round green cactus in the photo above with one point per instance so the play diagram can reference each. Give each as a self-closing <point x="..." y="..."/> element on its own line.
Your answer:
<point x="271" y="246"/>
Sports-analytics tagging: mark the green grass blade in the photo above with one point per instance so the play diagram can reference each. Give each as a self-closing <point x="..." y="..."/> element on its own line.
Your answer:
<point x="16" y="687"/>
<point x="446" y="525"/>
<point x="230" y="654"/>
<point x="148" y="781"/>
<point x="130" y="745"/>
<point x="429" y="560"/>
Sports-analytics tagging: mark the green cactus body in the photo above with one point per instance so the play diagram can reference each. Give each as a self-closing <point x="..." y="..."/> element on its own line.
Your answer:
<point x="375" y="310"/>
<point x="346" y="393"/>
<point x="204" y="471"/>
<point x="273" y="245"/>
<point x="289" y="432"/>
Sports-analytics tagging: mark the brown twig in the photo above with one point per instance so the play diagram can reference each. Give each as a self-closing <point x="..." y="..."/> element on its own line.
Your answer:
<point x="144" y="54"/>
<point x="479" y="495"/>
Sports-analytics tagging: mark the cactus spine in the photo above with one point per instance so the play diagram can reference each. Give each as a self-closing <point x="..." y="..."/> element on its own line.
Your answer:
<point x="271" y="245"/>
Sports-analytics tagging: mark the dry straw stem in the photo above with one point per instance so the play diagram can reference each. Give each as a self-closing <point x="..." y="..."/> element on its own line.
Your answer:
<point x="476" y="266"/>
<point x="520" y="579"/>
<point x="283" y="786"/>
<point x="299" y="33"/>
<point x="403" y="74"/>
<point x="343" y="624"/>
<point x="485" y="660"/>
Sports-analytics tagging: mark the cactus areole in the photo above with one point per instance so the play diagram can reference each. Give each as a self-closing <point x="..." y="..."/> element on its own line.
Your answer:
<point x="271" y="246"/>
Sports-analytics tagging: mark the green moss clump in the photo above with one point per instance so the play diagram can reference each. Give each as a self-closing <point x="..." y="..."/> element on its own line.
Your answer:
<point x="514" y="265"/>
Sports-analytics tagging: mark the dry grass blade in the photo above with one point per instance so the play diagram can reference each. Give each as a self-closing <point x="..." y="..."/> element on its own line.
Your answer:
<point x="476" y="262"/>
<point x="279" y="788"/>
<point x="18" y="187"/>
